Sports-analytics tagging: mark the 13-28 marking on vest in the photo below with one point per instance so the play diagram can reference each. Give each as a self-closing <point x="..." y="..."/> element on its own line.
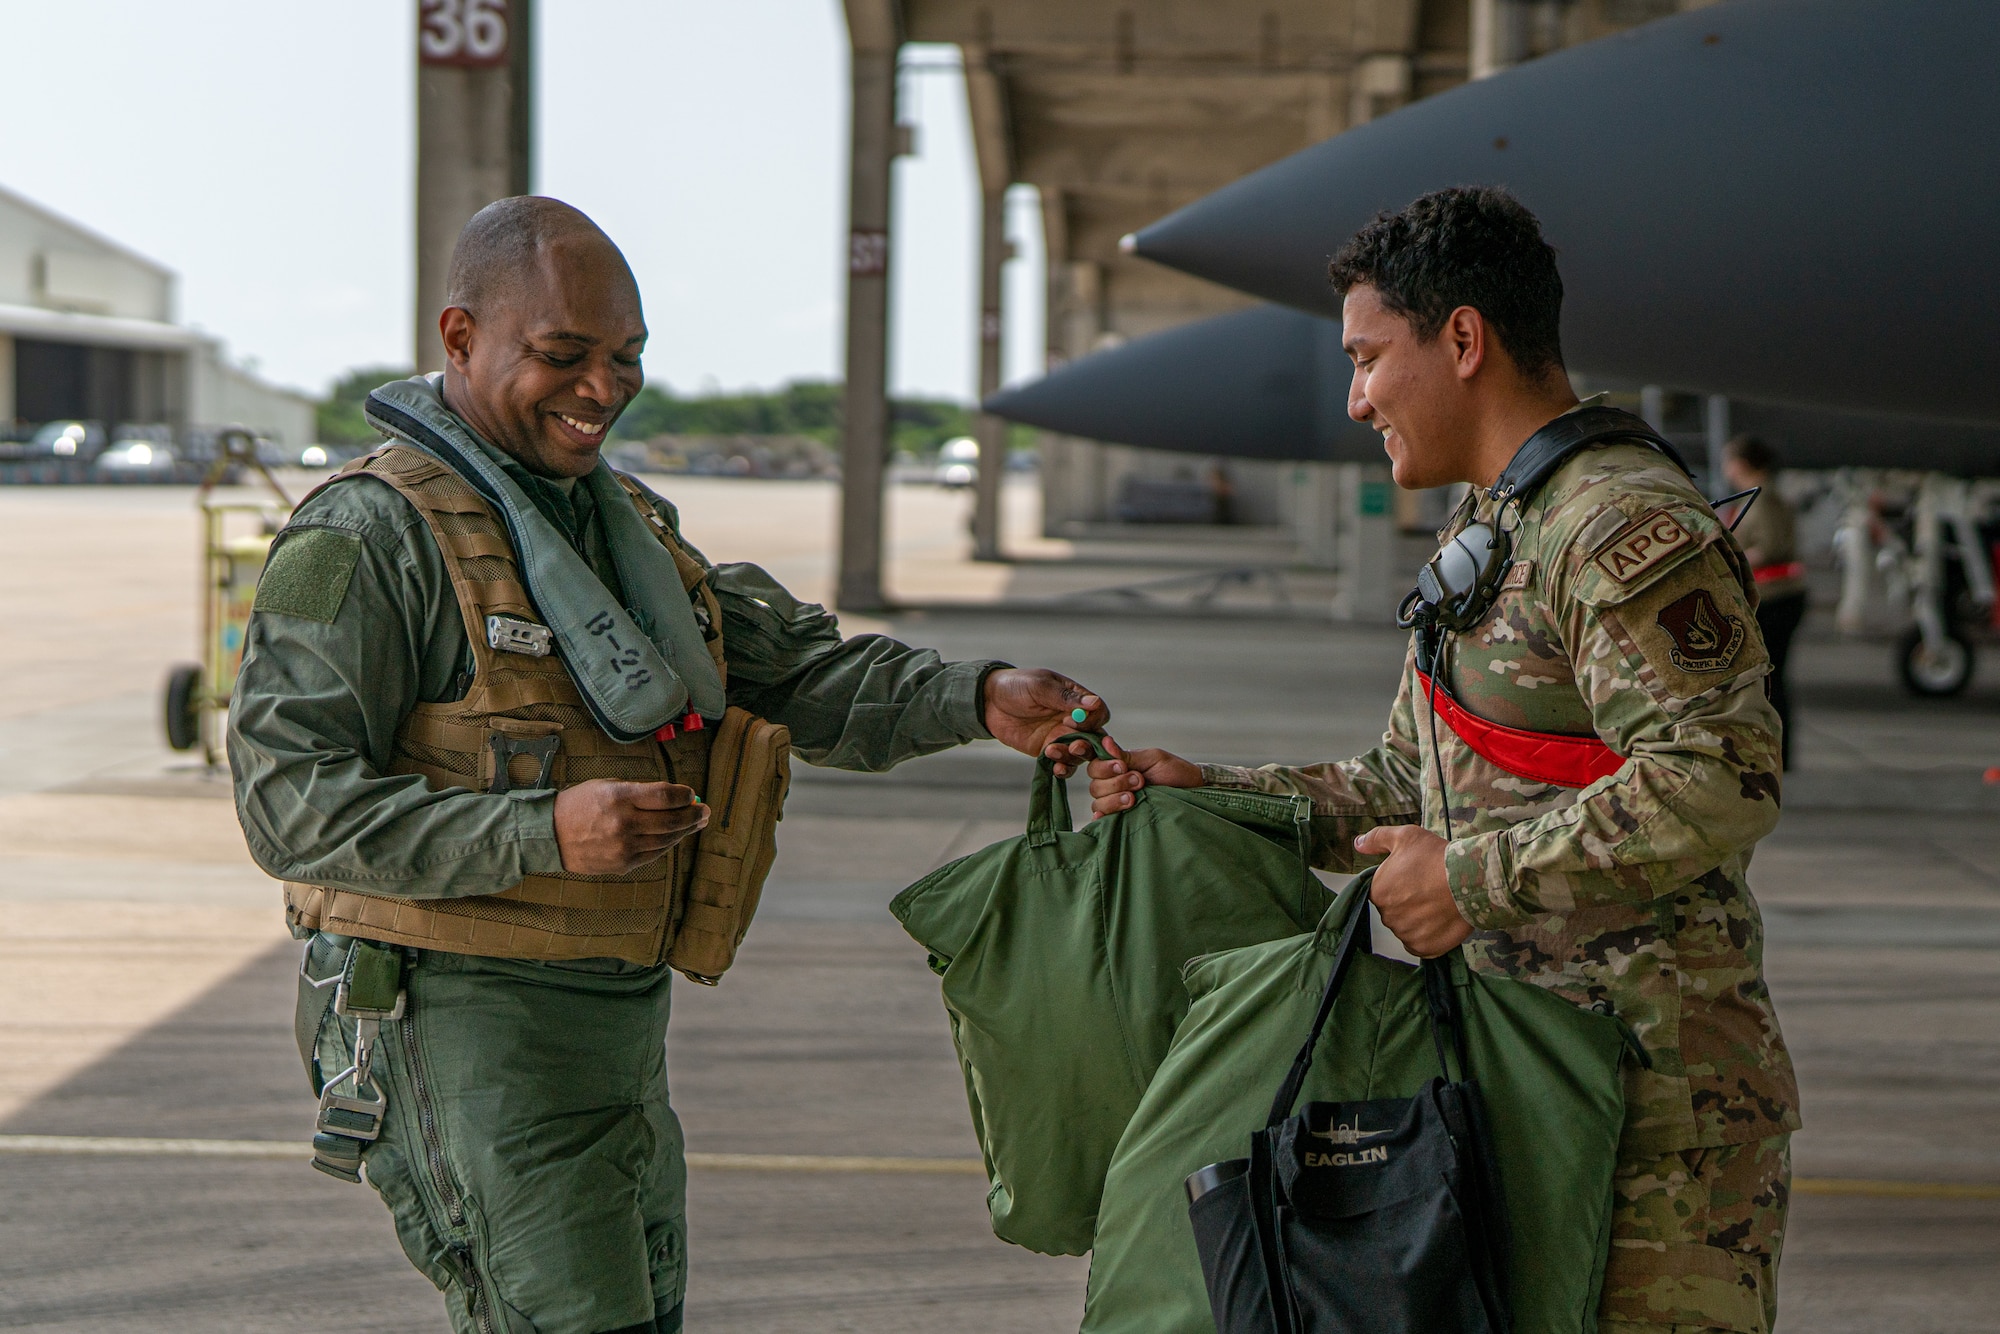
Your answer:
<point x="1641" y="545"/>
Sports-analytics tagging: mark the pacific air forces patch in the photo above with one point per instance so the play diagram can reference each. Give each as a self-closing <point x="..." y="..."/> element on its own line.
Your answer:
<point x="1701" y="636"/>
<point x="1691" y="623"/>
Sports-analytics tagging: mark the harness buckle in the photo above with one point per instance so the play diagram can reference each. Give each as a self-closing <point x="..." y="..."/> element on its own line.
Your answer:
<point x="511" y="634"/>
<point x="349" y="1122"/>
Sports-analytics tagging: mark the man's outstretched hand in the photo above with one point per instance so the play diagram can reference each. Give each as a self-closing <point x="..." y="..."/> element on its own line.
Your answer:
<point x="1028" y="707"/>
<point x="1410" y="889"/>
<point x="605" y="827"/>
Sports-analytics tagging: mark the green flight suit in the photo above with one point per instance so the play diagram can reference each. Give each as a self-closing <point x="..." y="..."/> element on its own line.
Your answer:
<point x="1629" y="615"/>
<point x="529" y="1156"/>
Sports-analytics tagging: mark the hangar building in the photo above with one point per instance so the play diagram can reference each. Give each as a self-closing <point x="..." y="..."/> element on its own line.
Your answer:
<point x="87" y="332"/>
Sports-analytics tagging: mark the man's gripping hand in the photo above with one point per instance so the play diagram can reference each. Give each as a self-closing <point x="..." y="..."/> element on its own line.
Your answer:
<point x="1027" y="708"/>
<point x="605" y="827"/>
<point x="1115" y="783"/>
<point x="1410" y="889"/>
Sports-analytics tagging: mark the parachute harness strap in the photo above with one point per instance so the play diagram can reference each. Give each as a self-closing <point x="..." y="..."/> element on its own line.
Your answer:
<point x="369" y="991"/>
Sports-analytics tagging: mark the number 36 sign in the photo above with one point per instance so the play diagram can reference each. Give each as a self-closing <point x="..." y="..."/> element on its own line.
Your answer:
<point x="469" y="33"/>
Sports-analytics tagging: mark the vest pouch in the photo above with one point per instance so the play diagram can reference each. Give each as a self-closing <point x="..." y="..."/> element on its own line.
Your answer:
<point x="749" y="772"/>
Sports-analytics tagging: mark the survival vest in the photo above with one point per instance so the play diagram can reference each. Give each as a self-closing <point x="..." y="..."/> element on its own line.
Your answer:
<point x="524" y="724"/>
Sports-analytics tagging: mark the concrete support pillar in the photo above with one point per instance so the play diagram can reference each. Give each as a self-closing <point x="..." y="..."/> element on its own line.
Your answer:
<point x="1500" y="35"/>
<point x="993" y="145"/>
<point x="1314" y="513"/>
<point x="991" y="431"/>
<point x="1716" y="424"/>
<point x="6" y="380"/>
<point x="1076" y="473"/>
<point x="1381" y="83"/>
<point x="1653" y="406"/>
<point x="475" y="135"/>
<point x="1366" y="539"/>
<point x="865" y="419"/>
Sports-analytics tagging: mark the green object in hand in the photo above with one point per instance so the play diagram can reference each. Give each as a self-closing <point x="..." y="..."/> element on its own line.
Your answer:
<point x="1078" y="715"/>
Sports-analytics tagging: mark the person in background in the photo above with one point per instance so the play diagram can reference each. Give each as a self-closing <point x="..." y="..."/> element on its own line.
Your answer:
<point x="1768" y="535"/>
<point x="1224" y="492"/>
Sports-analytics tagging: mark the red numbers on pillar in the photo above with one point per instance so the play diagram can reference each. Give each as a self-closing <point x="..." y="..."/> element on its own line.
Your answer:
<point x="467" y="33"/>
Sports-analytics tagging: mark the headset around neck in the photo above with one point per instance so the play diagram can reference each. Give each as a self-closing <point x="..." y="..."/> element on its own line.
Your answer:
<point x="1457" y="587"/>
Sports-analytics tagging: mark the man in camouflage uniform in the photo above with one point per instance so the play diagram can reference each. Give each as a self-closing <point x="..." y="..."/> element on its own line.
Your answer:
<point x="1626" y="618"/>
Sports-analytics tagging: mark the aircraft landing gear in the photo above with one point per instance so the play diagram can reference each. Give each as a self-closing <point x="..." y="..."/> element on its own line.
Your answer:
<point x="1935" y="671"/>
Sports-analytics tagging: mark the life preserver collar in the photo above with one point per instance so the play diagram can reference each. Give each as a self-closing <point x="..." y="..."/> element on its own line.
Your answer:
<point x="1558" y="758"/>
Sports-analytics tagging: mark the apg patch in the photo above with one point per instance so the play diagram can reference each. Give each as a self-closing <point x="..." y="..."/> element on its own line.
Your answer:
<point x="1642" y="545"/>
<point x="308" y="574"/>
<point x="1703" y="637"/>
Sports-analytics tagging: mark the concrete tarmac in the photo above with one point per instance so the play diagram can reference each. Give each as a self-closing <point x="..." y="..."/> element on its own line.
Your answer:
<point x="118" y="1019"/>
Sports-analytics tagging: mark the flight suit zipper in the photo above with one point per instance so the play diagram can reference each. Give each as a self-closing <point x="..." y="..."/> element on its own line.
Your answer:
<point x="454" y="1207"/>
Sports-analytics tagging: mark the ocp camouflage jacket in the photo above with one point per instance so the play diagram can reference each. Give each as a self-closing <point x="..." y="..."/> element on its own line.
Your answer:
<point x="1628" y="614"/>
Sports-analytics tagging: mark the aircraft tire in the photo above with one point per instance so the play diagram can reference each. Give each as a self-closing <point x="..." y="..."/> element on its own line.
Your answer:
<point x="183" y="707"/>
<point x="1939" y="675"/>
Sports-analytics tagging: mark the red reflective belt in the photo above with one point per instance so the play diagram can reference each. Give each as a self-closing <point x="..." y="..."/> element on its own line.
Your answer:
<point x="1544" y="757"/>
<point x="1771" y="574"/>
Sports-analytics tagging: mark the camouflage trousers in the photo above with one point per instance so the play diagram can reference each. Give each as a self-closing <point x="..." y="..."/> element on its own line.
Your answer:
<point x="1695" y="1239"/>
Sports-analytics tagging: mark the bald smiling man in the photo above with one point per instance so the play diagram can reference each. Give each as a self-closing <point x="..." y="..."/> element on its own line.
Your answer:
<point x="484" y="682"/>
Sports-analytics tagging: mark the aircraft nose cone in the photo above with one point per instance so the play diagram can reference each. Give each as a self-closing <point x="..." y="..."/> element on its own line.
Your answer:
<point x="1750" y="199"/>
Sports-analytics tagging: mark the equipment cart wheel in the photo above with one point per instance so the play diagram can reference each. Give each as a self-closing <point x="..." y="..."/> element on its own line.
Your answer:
<point x="1936" y="674"/>
<point x="183" y="706"/>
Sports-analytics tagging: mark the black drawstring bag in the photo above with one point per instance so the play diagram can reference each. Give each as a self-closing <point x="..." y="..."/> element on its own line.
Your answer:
<point x="1377" y="1217"/>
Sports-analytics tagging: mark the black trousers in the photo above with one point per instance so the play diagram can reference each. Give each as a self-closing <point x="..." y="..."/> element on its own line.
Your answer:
<point x="1779" y="620"/>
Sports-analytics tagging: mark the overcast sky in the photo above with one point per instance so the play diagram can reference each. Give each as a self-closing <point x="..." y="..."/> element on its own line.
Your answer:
<point x="264" y="150"/>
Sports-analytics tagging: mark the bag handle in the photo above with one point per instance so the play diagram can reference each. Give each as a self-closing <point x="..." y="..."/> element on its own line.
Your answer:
<point x="1440" y="994"/>
<point x="1353" y="941"/>
<point x="1048" y="796"/>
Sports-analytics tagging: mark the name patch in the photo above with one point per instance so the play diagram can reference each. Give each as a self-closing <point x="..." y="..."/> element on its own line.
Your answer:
<point x="1358" y="1159"/>
<point x="1518" y="574"/>
<point x="1642" y="545"/>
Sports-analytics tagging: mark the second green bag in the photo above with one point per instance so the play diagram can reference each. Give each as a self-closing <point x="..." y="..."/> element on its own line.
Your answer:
<point x="1061" y="954"/>
<point x="1548" y="1075"/>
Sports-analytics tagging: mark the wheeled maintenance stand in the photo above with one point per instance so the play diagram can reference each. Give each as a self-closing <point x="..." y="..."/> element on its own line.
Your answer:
<point x="236" y="538"/>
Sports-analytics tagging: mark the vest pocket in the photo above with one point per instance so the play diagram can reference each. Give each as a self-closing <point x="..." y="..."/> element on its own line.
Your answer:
<point x="749" y="772"/>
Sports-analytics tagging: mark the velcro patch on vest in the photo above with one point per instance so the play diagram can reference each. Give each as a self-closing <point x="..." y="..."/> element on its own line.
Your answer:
<point x="308" y="574"/>
<point x="1518" y="575"/>
<point x="1704" y="638"/>
<point x="1644" y="544"/>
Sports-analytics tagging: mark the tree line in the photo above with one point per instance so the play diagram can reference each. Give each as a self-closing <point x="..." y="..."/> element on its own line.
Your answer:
<point x="803" y="407"/>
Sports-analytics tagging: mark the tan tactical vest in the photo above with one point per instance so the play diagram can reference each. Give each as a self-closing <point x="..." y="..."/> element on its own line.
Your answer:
<point x="524" y="724"/>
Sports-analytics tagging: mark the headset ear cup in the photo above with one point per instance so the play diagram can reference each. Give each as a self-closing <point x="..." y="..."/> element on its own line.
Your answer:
<point x="1470" y="608"/>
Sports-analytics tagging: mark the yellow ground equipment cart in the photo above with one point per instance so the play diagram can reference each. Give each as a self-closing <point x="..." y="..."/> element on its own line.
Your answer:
<point x="236" y="538"/>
